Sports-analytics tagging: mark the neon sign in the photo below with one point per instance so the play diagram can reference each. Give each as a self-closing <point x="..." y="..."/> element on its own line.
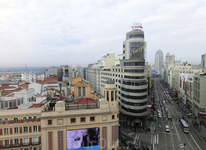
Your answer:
<point x="137" y="50"/>
<point x="137" y="26"/>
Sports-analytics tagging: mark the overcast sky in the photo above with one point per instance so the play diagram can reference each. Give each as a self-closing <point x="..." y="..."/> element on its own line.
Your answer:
<point x="78" y="32"/>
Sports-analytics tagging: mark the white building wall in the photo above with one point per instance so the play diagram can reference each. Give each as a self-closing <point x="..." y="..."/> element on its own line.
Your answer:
<point x="26" y="94"/>
<point x="36" y="87"/>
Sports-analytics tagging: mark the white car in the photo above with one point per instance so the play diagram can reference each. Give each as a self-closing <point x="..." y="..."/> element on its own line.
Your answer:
<point x="167" y="128"/>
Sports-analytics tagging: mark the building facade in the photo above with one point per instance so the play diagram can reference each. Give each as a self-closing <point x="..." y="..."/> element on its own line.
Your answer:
<point x="20" y="130"/>
<point x="159" y="61"/>
<point x="203" y="61"/>
<point x="94" y="125"/>
<point x="199" y="95"/>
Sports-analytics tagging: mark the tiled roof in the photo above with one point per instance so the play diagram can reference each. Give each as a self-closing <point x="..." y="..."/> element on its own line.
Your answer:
<point x="36" y="105"/>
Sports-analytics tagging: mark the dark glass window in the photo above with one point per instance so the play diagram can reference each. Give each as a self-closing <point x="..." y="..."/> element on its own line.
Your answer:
<point x="135" y="83"/>
<point x="134" y="64"/>
<point x="136" y="35"/>
<point x="134" y="90"/>
<point x="134" y="110"/>
<point x="134" y="71"/>
<point x="49" y="122"/>
<point x="134" y="77"/>
<point x="133" y="97"/>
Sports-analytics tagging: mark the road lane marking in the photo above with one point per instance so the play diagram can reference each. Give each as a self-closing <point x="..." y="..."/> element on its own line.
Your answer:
<point x="194" y="140"/>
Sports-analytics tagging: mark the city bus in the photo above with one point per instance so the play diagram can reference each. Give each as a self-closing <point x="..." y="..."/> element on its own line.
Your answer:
<point x="184" y="126"/>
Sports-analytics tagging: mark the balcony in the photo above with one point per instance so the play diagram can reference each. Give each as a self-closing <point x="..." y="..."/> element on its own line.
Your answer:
<point x="6" y="146"/>
<point x="35" y="143"/>
<point x="16" y="145"/>
<point x="25" y="144"/>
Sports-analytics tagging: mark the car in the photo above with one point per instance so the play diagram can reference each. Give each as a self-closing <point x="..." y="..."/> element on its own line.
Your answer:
<point x="159" y="115"/>
<point x="169" y="117"/>
<point x="167" y="128"/>
<point x="164" y="116"/>
<point x="158" y="110"/>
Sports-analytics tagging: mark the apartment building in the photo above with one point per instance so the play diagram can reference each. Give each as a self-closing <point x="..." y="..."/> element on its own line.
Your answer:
<point x="199" y="95"/>
<point x="90" y="124"/>
<point x="20" y="129"/>
<point x="28" y="76"/>
<point x="203" y="61"/>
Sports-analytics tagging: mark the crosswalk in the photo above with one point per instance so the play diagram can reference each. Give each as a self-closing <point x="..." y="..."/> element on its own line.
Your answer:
<point x="132" y="133"/>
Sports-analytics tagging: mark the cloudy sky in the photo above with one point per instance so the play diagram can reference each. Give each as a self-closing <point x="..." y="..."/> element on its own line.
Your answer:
<point x="78" y="32"/>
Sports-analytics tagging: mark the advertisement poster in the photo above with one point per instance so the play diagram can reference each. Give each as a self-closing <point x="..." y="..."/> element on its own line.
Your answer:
<point x="83" y="139"/>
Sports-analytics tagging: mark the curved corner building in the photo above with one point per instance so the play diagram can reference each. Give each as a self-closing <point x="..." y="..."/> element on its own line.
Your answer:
<point x="133" y="86"/>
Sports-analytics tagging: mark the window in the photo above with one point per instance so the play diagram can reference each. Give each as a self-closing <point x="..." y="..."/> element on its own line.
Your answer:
<point x="73" y="120"/>
<point x="6" y="120"/>
<point x="79" y="91"/>
<point x="24" y="119"/>
<point x="49" y="122"/>
<point x="92" y="118"/>
<point x="83" y="119"/>
<point x="6" y="131"/>
<point x="6" y="142"/>
<point x="1" y="121"/>
<point x="16" y="141"/>
<point x="26" y="141"/>
<point x="16" y="129"/>
<point x="26" y="149"/>
<point x="83" y="91"/>
<point x="117" y="115"/>
<point x="15" y="120"/>
<point x="35" y="140"/>
<point x="30" y="118"/>
<point x="113" y="117"/>
<point x="34" y="128"/>
<point x="35" y="118"/>
<point x="25" y="129"/>
<point x="35" y="148"/>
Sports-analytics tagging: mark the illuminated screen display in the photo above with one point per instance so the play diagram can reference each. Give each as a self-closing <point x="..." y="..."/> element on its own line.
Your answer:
<point x="83" y="139"/>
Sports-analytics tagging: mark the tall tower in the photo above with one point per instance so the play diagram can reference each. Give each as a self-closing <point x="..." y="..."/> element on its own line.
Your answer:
<point x="159" y="61"/>
<point x="133" y="87"/>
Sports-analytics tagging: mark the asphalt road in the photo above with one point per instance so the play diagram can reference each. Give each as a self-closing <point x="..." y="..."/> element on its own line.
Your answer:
<point x="176" y="138"/>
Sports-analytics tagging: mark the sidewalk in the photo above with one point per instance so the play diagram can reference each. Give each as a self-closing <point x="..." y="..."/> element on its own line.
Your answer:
<point x="200" y="130"/>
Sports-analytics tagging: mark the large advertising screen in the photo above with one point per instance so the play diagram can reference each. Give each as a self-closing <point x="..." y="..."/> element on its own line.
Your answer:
<point x="83" y="139"/>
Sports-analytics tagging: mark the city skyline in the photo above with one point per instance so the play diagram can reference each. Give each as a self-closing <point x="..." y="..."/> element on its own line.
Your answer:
<point x="49" y="33"/>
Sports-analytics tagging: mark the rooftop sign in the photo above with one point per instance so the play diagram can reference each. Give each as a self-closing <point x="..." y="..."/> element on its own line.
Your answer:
<point x="137" y="26"/>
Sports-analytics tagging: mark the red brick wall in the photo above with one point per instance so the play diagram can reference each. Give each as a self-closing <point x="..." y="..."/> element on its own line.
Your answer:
<point x="104" y="138"/>
<point x="20" y="129"/>
<point x="50" y="140"/>
<point x="60" y="140"/>
<point x="20" y="120"/>
<point x="1" y="132"/>
<point x="114" y="134"/>
<point x="30" y="129"/>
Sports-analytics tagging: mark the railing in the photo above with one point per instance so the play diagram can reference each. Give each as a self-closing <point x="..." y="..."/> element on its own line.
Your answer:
<point x="35" y="143"/>
<point x="26" y="144"/>
<point x="6" y="146"/>
<point x="16" y="145"/>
